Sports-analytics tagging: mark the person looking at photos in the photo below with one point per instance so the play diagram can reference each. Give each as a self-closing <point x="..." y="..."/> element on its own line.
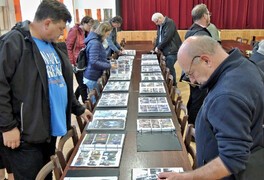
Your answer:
<point x="113" y="45"/>
<point x="74" y="44"/>
<point x="96" y="57"/>
<point x="229" y="124"/>
<point x="36" y="95"/>
<point x="168" y="41"/>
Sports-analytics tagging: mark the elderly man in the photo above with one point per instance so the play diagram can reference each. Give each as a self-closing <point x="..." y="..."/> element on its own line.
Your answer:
<point x="168" y="41"/>
<point x="229" y="124"/>
<point x="201" y="18"/>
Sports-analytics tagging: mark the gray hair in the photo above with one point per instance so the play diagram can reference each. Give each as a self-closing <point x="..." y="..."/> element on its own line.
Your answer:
<point x="156" y="16"/>
<point x="95" y="25"/>
<point x="198" y="11"/>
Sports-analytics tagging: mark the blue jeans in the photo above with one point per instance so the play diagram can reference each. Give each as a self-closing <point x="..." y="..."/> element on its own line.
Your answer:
<point x="170" y="61"/>
<point x="91" y="85"/>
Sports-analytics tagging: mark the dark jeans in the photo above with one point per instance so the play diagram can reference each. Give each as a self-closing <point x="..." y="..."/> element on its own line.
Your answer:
<point x="27" y="160"/>
<point x="82" y="88"/>
<point x="170" y="61"/>
<point x="195" y="102"/>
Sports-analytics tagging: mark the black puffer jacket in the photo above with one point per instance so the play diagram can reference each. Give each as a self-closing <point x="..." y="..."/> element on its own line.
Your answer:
<point x="170" y="39"/>
<point x="24" y="94"/>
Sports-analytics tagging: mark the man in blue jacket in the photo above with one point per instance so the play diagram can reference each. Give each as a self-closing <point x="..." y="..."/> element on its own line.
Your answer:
<point x="36" y="94"/>
<point x="229" y="124"/>
<point x="168" y="41"/>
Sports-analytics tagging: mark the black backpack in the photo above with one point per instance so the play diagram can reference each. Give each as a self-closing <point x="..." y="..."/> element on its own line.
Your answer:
<point x="81" y="60"/>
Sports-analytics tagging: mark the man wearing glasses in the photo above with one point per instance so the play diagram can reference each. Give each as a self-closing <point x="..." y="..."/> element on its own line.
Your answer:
<point x="168" y="41"/>
<point x="229" y="134"/>
<point x="201" y="19"/>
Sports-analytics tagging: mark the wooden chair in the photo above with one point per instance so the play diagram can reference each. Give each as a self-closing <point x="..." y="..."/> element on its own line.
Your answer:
<point x="88" y="105"/>
<point x="183" y="120"/>
<point x="93" y="93"/>
<point x="241" y="40"/>
<point x="190" y="133"/>
<point x="100" y="85"/>
<point x="71" y="134"/>
<point x="175" y="95"/>
<point x="52" y="165"/>
<point x="123" y="42"/>
<point x="170" y="83"/>
<point x="163" y="67"/>
<point x="166" y="75"/>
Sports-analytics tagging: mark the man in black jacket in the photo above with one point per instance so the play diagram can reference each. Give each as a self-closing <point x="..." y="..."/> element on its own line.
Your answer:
<point x="36" y="95"/>
<point x="201" y="19"/>
<point x="168" y="41"/>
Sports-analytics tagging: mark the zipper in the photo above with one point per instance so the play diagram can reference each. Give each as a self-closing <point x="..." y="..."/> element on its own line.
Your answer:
<point x="21" y="117"/>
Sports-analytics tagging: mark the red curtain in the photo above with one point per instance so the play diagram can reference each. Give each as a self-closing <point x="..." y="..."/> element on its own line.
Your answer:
<point x="226" y="14"/>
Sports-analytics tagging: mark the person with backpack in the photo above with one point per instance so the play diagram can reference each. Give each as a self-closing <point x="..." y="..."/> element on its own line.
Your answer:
<point x="74" y="44"/>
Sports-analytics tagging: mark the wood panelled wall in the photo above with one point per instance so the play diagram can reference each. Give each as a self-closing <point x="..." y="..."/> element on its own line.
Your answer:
<point x="225" y="34"/>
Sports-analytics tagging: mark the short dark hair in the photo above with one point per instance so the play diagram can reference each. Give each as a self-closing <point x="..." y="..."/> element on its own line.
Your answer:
<point x="117" y="19"/>
<point x="198" y="11"/>
<point x="54" y="10"/>
<point x="87" y="19"/>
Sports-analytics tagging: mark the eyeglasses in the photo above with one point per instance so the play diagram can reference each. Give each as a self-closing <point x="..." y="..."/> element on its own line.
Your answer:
<point x="189" y="74"/>
<point x="156" y="21"/>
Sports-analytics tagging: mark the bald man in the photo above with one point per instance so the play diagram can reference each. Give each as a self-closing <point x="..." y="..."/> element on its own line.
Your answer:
<point x="229" y="124"/>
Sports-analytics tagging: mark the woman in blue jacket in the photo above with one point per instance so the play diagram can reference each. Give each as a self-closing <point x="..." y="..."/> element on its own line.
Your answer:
<point x="96" y="56"/>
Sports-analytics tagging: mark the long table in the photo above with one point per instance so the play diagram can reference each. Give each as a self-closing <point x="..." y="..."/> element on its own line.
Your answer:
<point x="130" y="157"/>
<point x="230" y="44"/>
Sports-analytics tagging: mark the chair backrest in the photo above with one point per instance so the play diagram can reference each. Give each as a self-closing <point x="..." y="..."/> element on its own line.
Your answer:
<point x="163" y="67"/>
<point x="190" y="133"/>
<point x="93" y="93"/>
<point x="167" y="74"/>
<point x="88" y="105"/>
<point x="170" y="83"/>
<point x="71" y="134"/>
<point x="100" y="85"/>
<point x="123" y="42"/>
<point x="175" y="95"/>
<point x="52" y="165"/>
<point x="183" y="120"/>
<point x="242" y="40"/>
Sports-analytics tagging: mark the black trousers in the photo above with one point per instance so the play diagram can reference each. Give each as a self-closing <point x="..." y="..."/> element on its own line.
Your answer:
<point x="27" y="160"/>
<point x="82" y="88"/>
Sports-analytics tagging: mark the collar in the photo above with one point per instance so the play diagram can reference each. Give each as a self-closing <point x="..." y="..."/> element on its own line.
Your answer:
<point x="230" y="61"/>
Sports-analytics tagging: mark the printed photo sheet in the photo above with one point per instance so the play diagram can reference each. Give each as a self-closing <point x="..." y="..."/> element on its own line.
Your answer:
<point x="153" y="105"/>
<point x="151" y="88"/>
<point x="152" y="173"/>
<point x="113" y="100"/>
<point x="155" y="68"/>
<point x="116" y="86"/>
<point x="155" y="125"/>
<point x="149" y="56"/>
<point x="92" y="178"/>
<point x="89" y="157"/>
<point x="100" y="140"/>
<point x="157" y="76"/>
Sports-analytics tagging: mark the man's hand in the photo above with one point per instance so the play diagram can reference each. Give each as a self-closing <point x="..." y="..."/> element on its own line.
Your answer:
<point x="152" y="51"/>
<point x="12" y="138"/>
<point x="113" y="66"/>
<point x="121" y="48"/>
<point x="156" y="50"/>
<point x="120" y="53"/>
<point x="87" y="116"/>
<point x="172" y="176"/>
